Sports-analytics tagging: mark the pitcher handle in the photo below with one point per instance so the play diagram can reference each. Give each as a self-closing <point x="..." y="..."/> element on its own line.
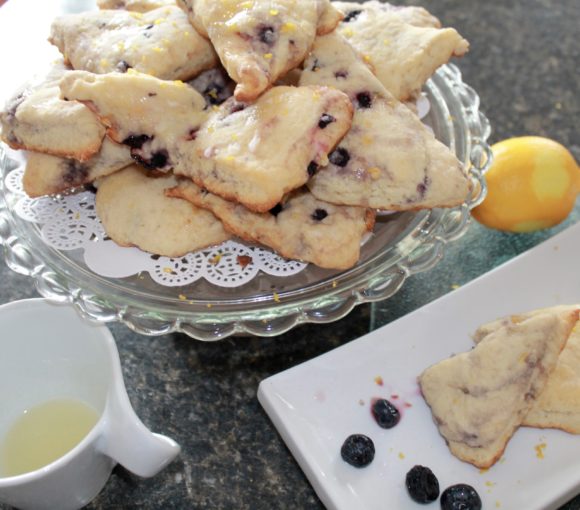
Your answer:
<point x="130" y="443"/>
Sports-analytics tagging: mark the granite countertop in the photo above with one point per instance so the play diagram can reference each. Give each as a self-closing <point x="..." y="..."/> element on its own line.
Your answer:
<point x="524" y="64"/>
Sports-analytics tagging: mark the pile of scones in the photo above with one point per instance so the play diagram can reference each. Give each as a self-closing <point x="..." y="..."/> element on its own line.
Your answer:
<point x="287" y="123"/>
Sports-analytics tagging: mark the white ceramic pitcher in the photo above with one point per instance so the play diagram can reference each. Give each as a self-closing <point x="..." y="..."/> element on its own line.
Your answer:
<point x="48" y="352"/>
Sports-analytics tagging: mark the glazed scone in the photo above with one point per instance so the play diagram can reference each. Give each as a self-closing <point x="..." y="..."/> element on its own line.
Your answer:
<point x="160" y="42"/>
<point x="259" y="41"/>
<point x="150" y="115"/>
<point x="558" y="406"/>
<point x="135" y="211"/>
<point x="134" y="5"/>
<point x="256" y="153"/>
<point x="479" y="398"/>
<point x="45" y="174"/>
<point x="37" y="119"/>
<point x="402" y="55"/>
<point x="301" y="228"/>
<point x="389" y="159"/>
<point x="413" y="15"/>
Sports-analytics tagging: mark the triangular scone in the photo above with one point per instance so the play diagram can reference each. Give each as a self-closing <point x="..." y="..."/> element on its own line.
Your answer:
<point x="135" y="211"/>
<point x="134" y="5"/>
<point x="45" y="174"/>
<point x="37" y="119"/>
<point x="479" y="398"/>
<point x="256" y="153"/>
<point x="413" y="15"/>
<point x="558" y="406"/>
<point x="260" y="40"/>
<point x="150" y="115"/>
<point x="302" y="228"/>
<point x="389" y="159"/>
<point x="160" y="42"/>
<point x="402" y="55"/>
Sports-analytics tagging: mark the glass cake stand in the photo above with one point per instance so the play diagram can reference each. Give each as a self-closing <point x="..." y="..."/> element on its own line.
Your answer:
<point x="402" y="244"/>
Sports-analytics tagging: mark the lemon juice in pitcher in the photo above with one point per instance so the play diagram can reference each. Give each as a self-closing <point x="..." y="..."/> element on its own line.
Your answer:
<point x="43" y="434"/>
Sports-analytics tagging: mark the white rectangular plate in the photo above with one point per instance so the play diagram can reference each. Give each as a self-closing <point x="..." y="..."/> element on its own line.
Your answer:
<point x="317" y="404"/>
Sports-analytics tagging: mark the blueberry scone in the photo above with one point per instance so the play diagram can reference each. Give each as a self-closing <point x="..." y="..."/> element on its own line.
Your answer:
<point x="410" y="14"/>
<point x="135" y="211"/>
<point x="256" y="153"/>
<point x="388" y="159"/>
<point x="558" y="405"/>
<point x="302" y="228"/>
<point x="134" y="5"/>
<point x="160" y="42"/>
<point x="403" y="55"/>
<point x="259" y="41"/>
<point x="37" y="119"/>
<point x="45" y="174"/>
<point x="149" y="115"/>
<point x="479" y="398"/>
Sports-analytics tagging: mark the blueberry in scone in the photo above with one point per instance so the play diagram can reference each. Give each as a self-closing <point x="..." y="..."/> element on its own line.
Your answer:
<point x="260" y="41"/>
<point x="301" y="227"/>
<point x="45" y="174"/>
<point x="160" y="42"/>
<point x="388" y="159"/>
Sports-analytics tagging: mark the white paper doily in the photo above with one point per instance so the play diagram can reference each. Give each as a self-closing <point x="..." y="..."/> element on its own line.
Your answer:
<point x="70" y="223"/>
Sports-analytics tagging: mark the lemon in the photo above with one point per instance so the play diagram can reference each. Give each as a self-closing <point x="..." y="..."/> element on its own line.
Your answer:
<point x="532" y="184"/>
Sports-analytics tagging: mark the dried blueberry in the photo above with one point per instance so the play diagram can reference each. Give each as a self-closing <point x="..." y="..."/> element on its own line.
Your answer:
<point x="422" y="484"/>
<point x="267" y="34"/>
<point x="385" y="413"/>
<point x="352" y="15"/>
<point x="460" y="497"/>
<point x="123" y="66"/>
<point x="319" y="215"/>
<point x="364" y="100"/>
<point x="358" y="450"/>
<point x="341" y="74"/>
<point x="136" y="141"/>
<point x="312" y="168"/>
<point x="325" y="120"/>
<point x="276" y="210"/>
<point x="339" y="157"/>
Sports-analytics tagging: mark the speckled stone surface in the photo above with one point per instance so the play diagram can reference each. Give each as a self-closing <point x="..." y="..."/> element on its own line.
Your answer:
<point x="524" y="64"/>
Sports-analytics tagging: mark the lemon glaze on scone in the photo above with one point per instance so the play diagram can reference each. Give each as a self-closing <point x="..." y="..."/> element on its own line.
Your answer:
<point x="256" y="153"/>
<point x="479" y="398"/>
<point x="389" y="159"/>
<point x="36" y="118"/>
<point x="252" y="153"/>
<point x="260" y="41"/>
<point x="150" y="115"/>
<point x="301" y="227"/>
<point x="135" y="211"/>
<point x="402" y="55"/>
<point x="160" y="42"/>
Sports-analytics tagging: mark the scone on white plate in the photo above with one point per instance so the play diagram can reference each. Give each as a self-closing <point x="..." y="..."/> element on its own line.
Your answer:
<point x="479" y="398"/>
<point x="558" y="406"/>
